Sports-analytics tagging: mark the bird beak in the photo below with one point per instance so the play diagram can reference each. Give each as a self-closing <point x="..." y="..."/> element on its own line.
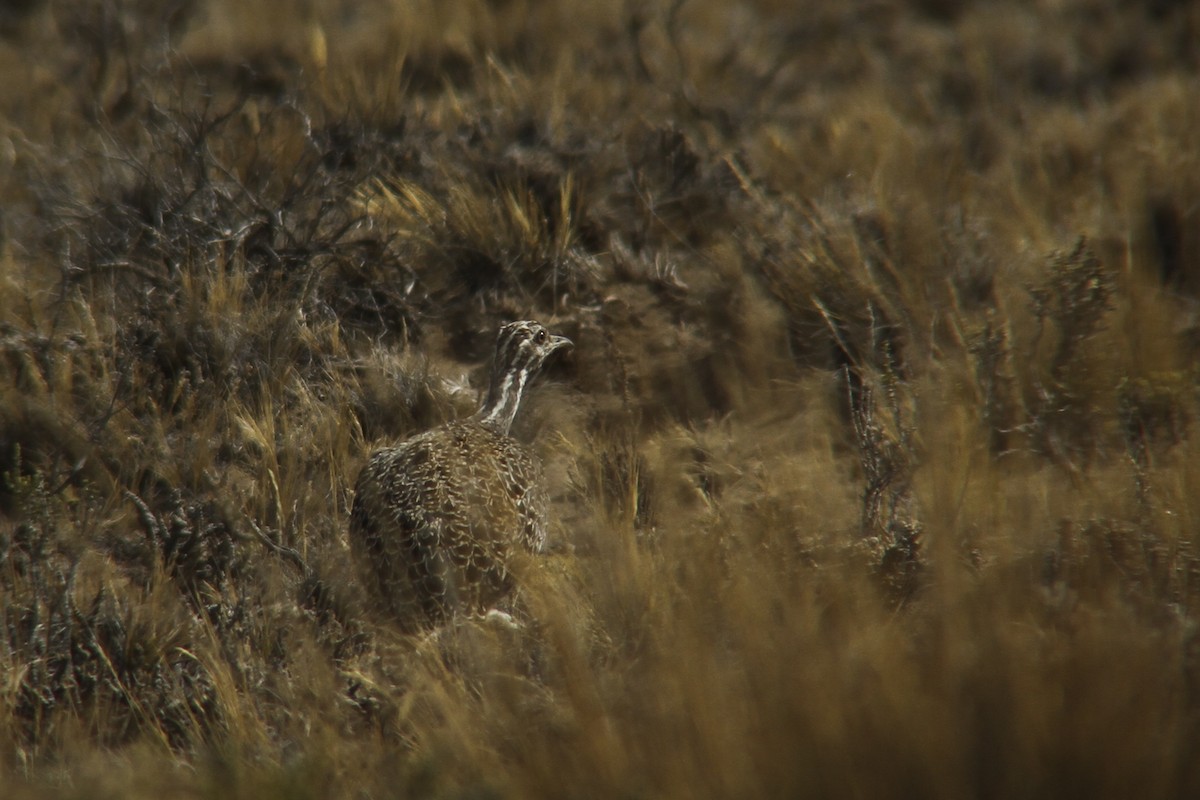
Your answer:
<point x="560" y="343"/>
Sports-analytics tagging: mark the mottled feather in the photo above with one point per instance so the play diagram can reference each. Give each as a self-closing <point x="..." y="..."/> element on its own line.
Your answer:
<point x="437" y="517"/>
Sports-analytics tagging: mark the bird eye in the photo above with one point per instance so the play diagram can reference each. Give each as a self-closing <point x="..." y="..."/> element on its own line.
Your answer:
<point x="540" y="336"/>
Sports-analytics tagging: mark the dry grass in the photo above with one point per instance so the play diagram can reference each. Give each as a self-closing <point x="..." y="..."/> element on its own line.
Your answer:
<point x="873" y="468"/>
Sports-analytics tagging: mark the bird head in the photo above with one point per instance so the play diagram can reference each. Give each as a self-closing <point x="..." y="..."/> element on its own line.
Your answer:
<point x="525" y="345"/>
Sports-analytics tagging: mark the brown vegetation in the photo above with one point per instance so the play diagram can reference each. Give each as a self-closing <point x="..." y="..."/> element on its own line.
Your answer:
<point x="873" y="470"/>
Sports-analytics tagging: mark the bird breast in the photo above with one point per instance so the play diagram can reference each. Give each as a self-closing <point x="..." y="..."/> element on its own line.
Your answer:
<point x="467" y="479"/>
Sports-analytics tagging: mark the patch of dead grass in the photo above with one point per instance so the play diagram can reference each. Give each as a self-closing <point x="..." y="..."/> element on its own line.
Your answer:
<point x="872" y="468"/>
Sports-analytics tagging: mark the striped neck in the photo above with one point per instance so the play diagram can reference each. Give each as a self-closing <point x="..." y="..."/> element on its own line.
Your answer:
<point x="503" y="400"/>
